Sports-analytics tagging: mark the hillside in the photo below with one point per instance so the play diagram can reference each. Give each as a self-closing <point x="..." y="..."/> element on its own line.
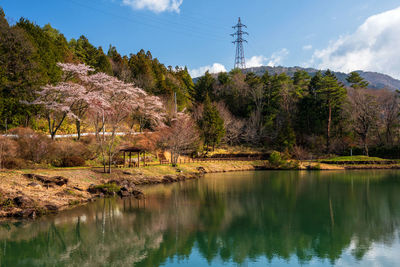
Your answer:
<point x="376" y="80"/>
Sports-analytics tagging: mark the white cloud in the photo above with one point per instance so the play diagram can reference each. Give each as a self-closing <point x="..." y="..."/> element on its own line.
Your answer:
<point x="307" y="47"/>
<point x="277" y="57"/>
<point x="374" y="46"/>
<point x="156" y="6"/>
<point x="215" y="68"/>
<point x="256" y="61"/>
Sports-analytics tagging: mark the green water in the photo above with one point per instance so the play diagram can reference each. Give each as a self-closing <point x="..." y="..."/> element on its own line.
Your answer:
<point x="236" y="219"/>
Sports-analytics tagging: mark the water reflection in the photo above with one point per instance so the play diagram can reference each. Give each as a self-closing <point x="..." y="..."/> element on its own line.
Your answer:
<point x="281" y="218"/>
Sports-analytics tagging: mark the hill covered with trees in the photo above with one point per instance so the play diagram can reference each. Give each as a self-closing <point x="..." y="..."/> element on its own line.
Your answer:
<point x="304" y="112"/>
<point x="376" y="80"/>
<point x="28" y="60"/>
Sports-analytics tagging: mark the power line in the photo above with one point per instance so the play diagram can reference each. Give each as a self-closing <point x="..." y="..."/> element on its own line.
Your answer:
<point x="159" y="24"/>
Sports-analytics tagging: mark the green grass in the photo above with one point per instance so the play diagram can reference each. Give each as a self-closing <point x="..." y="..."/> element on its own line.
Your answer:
<point x="354" y="158"/>
<point x="110" y="187"/>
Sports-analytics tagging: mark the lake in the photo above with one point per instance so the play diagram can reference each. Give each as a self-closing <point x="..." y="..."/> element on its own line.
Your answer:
<point x="265" y="218"/>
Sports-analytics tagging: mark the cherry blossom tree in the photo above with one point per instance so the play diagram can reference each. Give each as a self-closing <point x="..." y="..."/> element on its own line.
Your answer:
<point x="115" y="103"/>
<point x="58" y="101"/>
<point x="68" y="98"/>
<point x="182" y="137"/>
<point x="104" y="99"/>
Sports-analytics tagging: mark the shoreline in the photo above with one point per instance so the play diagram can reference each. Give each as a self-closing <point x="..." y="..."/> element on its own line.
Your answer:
<point x="34" y="193"/>
<point x="29" y="194"/>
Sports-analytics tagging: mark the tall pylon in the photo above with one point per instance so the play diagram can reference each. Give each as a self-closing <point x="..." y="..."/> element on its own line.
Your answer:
<point x="240" y="62"/>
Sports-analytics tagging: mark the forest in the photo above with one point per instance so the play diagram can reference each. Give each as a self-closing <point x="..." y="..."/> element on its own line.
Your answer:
<point x="51" y="85"/>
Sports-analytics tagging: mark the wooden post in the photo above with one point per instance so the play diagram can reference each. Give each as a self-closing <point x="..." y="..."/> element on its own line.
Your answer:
<point x="138" y="159"/>
<point x="124" y="159"/>
<point x="130" y="159"/>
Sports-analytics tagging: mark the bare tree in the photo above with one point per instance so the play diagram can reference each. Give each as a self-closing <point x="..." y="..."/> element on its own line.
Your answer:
<point x="389" y="113"/>
<point x="363" y="109"/>
<point x="8" y="148"/>
<point x="181" y="138"/>
<point x="233" y="126"/>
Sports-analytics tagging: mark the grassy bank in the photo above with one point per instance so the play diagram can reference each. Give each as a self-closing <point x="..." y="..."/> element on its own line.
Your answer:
<point x="22" y="195"/>
<point x="25" y="193"/>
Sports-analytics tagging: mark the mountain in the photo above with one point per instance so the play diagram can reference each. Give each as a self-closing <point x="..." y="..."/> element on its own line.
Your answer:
<point x="376" y="80"/>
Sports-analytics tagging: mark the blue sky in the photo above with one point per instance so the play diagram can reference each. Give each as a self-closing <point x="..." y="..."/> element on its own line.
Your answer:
<point x="343" y="35"/>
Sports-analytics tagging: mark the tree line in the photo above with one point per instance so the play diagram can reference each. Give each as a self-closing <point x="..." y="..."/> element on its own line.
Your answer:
<point x="303" y="114"/>
<point x="28" y="61"/>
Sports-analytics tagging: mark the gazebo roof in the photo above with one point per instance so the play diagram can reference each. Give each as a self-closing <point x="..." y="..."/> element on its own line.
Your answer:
<point x="132" y="149"/>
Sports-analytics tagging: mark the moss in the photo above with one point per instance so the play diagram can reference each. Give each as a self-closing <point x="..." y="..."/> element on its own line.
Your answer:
<point x="74" y="202"/>
<point x="113" y="187"/>
<point x="7" y="203"/>
<point x="69" y="192"/>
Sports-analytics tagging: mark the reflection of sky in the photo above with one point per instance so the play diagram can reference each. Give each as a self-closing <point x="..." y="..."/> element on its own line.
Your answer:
<point x="378" y="255"/>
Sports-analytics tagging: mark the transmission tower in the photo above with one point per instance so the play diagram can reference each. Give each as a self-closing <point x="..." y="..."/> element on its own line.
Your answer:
<point x="240" y="62"/>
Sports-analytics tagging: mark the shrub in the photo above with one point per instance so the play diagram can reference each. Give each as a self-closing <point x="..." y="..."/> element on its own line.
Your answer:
<point x="73" y="161"/>
<point x="32" y="146"/>
<point x="300" y="153"/>
<point x="68" y="153"/>
<point x="16" y="163"/>
<point x="275" y="159"/>
<point x="8" y="150"/>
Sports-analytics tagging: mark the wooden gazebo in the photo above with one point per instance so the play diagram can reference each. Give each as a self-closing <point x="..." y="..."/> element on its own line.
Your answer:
<point x="131" y="150"/>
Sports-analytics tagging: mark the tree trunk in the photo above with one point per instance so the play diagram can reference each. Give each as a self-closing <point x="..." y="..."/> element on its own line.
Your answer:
<point x="109" y="161"/>
<point x="328" y="130"/>
<point x="366" y="152"/>
<point x="54" y="128"/>
<point x="78" y="128"/>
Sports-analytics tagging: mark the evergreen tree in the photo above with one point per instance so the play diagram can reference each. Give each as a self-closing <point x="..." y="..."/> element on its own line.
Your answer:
<point x="211" y="124"/>
<point x="20" y="75"/>
<point x="332" y="93"/>
<point x="356" y="81"/>
<point x="204" y="86"/>
<point x="301" y="81"/>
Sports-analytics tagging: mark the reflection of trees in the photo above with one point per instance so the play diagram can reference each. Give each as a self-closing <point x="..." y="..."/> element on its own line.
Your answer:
<point x="240" y="217"/>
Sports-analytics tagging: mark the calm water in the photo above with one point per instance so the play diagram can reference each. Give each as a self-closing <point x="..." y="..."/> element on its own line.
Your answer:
<point x="236" y="219"/>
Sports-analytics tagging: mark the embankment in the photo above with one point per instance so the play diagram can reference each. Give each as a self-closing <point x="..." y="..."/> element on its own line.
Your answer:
<point x="31" y="193"/>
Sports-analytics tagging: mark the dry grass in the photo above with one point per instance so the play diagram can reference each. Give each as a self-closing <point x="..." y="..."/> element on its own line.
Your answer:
<point x="14" y="183"/>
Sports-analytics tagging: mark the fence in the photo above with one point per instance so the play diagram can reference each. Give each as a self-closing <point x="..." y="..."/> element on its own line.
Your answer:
<point x="198" y="160"/>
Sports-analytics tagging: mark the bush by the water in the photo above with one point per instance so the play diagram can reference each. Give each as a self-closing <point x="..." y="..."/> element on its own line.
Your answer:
<point x="277" y="161"/>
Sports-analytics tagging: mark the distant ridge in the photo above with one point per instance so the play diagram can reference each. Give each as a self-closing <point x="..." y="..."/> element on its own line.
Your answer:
<point x="376" y="80"/>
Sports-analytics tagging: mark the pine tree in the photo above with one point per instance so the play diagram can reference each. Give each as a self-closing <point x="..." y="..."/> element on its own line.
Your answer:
<point x="203" y="87"/>
<point x="211" y="124"/>
<point x="332" y="93"/>
<point x="356" y="81"/>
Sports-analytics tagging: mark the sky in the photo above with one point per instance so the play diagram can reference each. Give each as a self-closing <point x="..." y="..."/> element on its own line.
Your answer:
<point x="343" y="35"/>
